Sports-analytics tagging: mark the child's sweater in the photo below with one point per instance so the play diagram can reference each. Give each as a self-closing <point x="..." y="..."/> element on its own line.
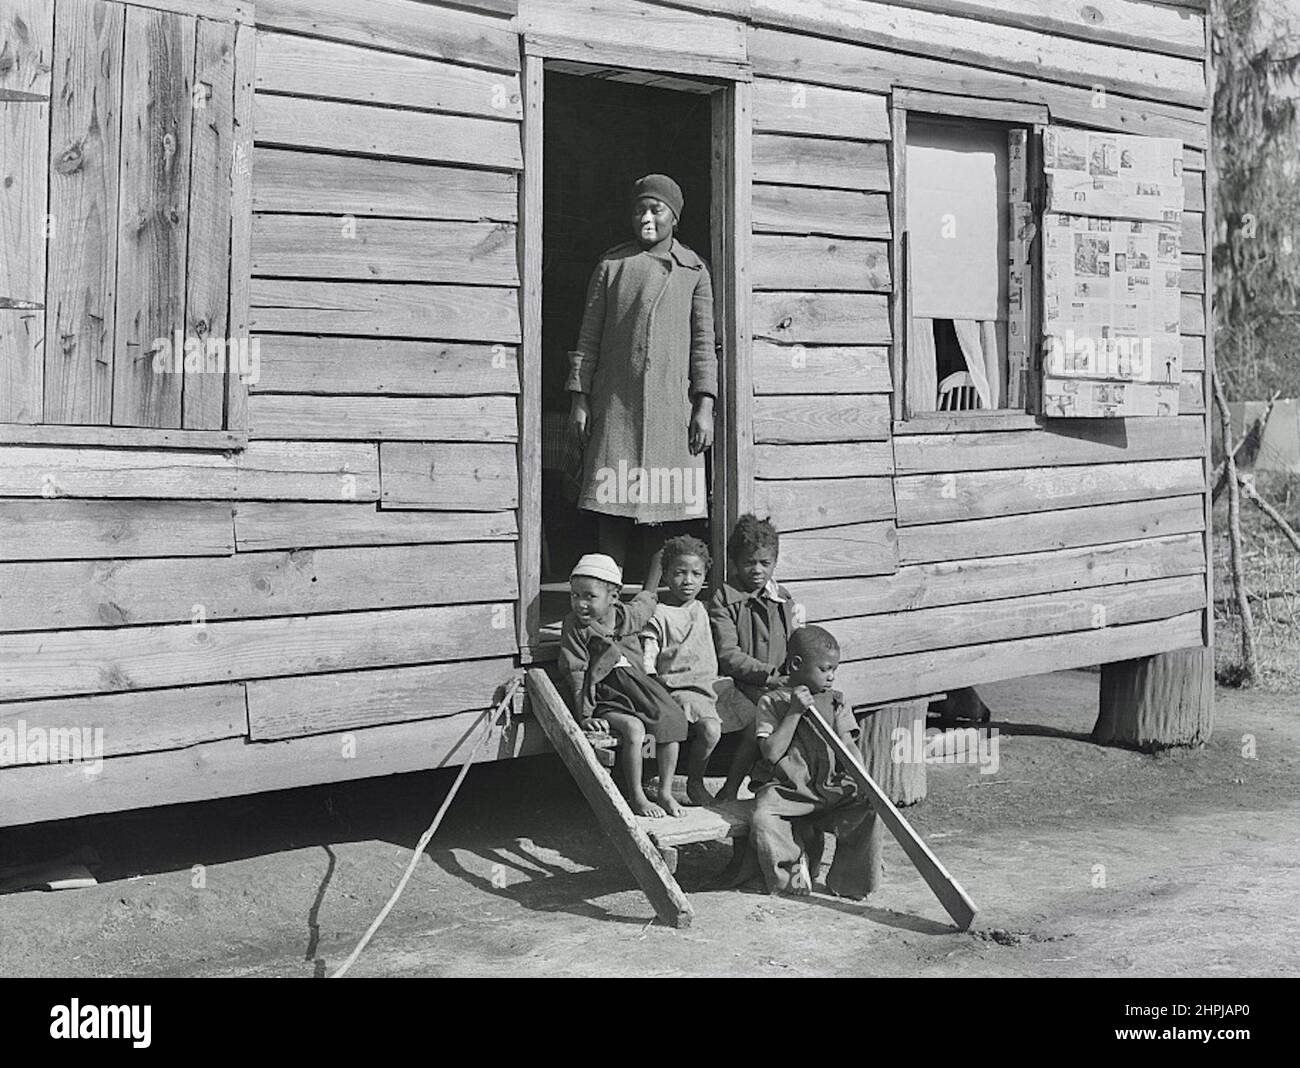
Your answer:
<point x="589" y="652"/>
<point x="750" y="633"/>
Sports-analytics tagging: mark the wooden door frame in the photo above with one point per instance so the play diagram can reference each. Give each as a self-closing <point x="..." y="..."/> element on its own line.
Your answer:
<point x="731" y="95"/>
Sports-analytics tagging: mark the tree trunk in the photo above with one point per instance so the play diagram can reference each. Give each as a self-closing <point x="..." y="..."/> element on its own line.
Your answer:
<point x="1156" y="702"/>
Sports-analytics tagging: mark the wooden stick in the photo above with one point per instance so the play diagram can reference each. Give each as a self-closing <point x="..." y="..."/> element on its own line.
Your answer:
<point x="1247" y="485"/>
<point x="1234" y="539"/>
<point x="951" y="896"/>
<point x="1250" y="442"/>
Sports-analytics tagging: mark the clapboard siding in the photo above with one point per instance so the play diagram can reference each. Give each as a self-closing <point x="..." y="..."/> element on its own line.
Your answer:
<point x="860" y="549"/>
<point x="791" y="107"/>
<point x="917" y="586"/>
<point x="824" y="163"/>
<point x="821" y="318"/>
<point x="819" y="369"/>
<point x="810" y="503"/>
<point x="894" y="677"/>
<point x="293" y="416"/>
<point x="849" y="65"/>
<point x="820" y="419"/>
<point x="119" y="593"/>
<point x="83" y="530"/>
<point x="781" y="262"/>
<point x="1006" y="619"/>
<point x="449" y="477"/>
<point x="66" y="662"/>
<point x="982" y="494"/>
<point x="790" y="209"/>
<point x="303" y="182"/>
<point x="850" y="459"/>
<point x="311" y="364"/>
<point x="262" y="525"/>
<point x="1068" y="527"/>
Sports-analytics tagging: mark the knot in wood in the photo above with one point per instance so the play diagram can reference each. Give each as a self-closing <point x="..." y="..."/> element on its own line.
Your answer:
<point x="1091" y="15"/>
<point x="70" y="159"/>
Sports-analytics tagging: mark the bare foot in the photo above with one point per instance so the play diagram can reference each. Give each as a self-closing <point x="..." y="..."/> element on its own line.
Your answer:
<point x="643" y="806"/>
<point x="698" y="793"/>
<point x="671" y="805"/>
<point x="800" y="880"/>
<point x="727" y="793"/>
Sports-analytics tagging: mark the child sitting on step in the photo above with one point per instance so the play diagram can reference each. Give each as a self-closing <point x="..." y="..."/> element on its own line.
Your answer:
<point x="752" y="618"/>
<point x="800" y="789"/>
<point x="602" y="660"/>
<point x="679" y="650"/>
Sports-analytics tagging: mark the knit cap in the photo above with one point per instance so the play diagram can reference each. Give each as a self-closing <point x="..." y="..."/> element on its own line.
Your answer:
<point x="661" y="187"/>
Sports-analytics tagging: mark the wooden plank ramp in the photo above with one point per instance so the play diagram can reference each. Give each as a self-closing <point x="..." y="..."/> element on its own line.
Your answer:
<point x="650" y="860"/>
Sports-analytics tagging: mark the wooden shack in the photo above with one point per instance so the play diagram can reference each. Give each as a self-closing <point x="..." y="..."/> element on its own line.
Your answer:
<point x="322" y="559"/>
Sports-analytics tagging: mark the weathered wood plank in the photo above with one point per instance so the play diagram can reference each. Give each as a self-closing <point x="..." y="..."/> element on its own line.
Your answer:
<point x="295" y="417"/>
<point x="822" y="318"/>
<point x="207" y="275"/>
<point x="320" y="246"/>
<point x="306" y="66"/>
<point x="863" y="549"/>
<point x="964" y="495"/>
<point x="290" y="181"/>
<point x="532" y="205"/>
<point x="233" y="766"/>
<point x="241" y="216"/>
<point x="803" y="420"/>
<point x="153" y="213"/>
<point x="654" y="27"/>
<point x="615" y="818"/>
<point x="976" y="622"/>
<point x="70" y="530"/>
<point x="1067" y="528"/>
<point x="469" y="313"/>
<point x="1193" y="233"/>
<point x="894" y="677"/>
<point x="1060" y="443"/>
<point x="398" y="26"/>
<point x="143" y="722"/>
<point x="300" y="363"/>
<point x="917" y="586"/>
<point x="820" y="263"/>
<point x="318" y="704"/>
<point x="263" y="525"/>
<point x="84" y="162"/>
<point x="296" y="122"/>
<point x="812" y="503"/>
<point x="790" y="107"/>
<point x="27" y="44"/>
<point x="820" y="369"/>
<point x="824" y="163"/>
<point x="1192" y="281"/>
<point x="120" y="437"/>
<point x="1135" y="24"/>
<point x="267" y="470"/>
<point x="855" y="66"/>
<point x="1193" y="191"/>
<point x="55" y="663"/>
<point x="972" y="41"/>
<point x="1191" y="393"/>
<point x="850" y="459"/>
<point x="1193" y="354"/>
<point x="65" y="595"/>
<point x="1192" y="314"/>
<point x="236" y="11"/>
<point x="789" y="209"/>
<point x="449" y="477"/>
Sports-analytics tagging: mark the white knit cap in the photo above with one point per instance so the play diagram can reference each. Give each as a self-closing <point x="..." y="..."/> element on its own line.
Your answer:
<point x="598" y="566"/>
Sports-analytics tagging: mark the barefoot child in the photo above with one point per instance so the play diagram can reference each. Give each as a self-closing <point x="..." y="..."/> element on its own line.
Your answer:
<point x="679" y="649"/>
<point x="601" y="657"/>
<point x="752" y="618"/>
<point x="801" y="790"/>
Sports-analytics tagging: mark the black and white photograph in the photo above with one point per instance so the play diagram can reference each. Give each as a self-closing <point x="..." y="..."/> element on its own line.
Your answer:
<point x="549" y="489"/>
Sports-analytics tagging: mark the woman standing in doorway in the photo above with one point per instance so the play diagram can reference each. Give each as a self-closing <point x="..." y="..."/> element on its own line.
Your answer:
<point x="644" y="375"/>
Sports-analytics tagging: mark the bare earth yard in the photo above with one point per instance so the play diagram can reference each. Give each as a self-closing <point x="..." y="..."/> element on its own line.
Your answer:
<point x="1198" y="851"/>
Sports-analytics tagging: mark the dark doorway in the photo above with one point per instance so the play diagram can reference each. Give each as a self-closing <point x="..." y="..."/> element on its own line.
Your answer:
<point x="600" y="135"/>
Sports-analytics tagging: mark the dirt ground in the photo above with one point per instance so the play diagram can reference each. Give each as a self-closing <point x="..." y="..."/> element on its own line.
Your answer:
<point x="1083" y="860"/>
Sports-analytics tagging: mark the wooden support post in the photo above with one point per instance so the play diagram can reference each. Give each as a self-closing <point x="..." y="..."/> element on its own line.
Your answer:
<point x="1155" y="702"/>
<point x="641" y="856"/>
<point x="903" y="782"/>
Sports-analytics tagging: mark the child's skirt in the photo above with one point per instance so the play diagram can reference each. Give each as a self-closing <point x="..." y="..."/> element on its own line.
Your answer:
<point x="634" y="694"/>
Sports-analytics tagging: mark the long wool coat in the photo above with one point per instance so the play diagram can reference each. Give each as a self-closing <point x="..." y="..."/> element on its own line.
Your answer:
<point x="645" y="350"/>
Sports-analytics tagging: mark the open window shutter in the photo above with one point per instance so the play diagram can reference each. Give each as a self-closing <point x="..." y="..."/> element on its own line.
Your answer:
<point x="148" y="151"/>
<point x="1111" y="241"/>
<point x="26" y="38"/>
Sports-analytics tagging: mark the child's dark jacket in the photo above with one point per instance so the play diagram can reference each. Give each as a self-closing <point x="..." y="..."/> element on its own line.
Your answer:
<point x="589" y="652"/>
<point x="751" y="632"/>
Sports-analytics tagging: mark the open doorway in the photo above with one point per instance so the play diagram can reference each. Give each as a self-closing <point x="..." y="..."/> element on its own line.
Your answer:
<point x="600" y="133"/>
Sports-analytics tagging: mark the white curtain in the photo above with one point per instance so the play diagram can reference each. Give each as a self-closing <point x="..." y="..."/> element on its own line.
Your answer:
<point x="979" y="347"/>
<point x="922" y="368"/>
